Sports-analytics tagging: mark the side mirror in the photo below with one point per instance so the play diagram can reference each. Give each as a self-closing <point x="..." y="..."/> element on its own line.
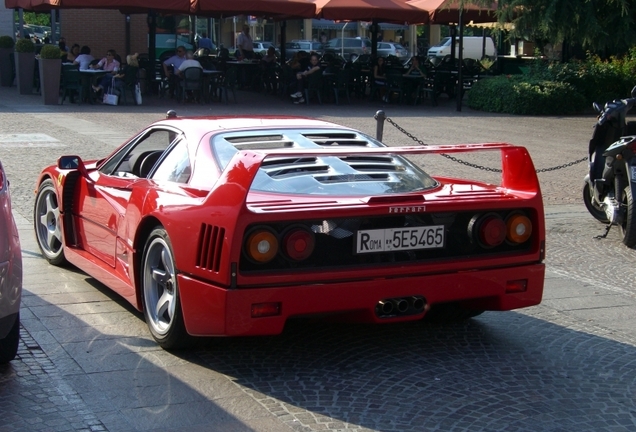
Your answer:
<point x="72" y="162"/>
<point x="596" y="107"/>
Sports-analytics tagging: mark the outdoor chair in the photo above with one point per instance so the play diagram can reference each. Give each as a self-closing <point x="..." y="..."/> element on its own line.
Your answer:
<point x="192" y="81"/>
<point x="342" y="84"/>
<point x="314" y="86"/>
<point x="71" y="84"/>
<point x="395" y="85"/>
<point x="229" y="83"/>
<point x="123" y="87"/>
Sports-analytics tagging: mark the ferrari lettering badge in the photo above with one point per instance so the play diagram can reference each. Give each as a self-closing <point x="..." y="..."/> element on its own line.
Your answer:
<point x="407" y="209"/>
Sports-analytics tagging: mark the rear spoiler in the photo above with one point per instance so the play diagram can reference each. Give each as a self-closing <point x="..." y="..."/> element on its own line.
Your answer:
<point x="517" y="170"/>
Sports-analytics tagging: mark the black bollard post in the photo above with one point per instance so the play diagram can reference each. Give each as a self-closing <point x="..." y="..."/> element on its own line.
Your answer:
<point x="380" y="116"/>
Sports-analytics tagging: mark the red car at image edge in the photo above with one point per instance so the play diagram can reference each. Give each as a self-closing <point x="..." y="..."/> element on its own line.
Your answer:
<point x="228" y="226"/>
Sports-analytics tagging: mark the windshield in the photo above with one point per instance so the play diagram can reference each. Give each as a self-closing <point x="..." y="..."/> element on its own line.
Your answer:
<point x="359" y="175"/>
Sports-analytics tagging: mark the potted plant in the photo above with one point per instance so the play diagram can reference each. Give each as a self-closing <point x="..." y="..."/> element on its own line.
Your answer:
<point x="50" y="72"/>
<point x="25" y="65"/>
<point x="6" y="63"/>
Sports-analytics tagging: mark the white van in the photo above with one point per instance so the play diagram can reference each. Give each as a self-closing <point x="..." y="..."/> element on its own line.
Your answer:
<point x="473" y="48"/>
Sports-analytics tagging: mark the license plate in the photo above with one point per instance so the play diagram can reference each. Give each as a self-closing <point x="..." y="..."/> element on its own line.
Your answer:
<point x="400" y="239"/>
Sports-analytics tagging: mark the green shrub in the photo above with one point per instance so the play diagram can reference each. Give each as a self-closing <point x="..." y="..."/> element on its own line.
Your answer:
<point x="522" y="94"/>
<point x="50" y="52"/>
<point x="25" y="46"/>
<point x="6" y="42"/>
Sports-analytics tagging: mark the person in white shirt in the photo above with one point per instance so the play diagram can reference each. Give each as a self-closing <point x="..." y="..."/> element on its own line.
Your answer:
<point x="188" y="62"/>
<point x="85" y="58"/>
<point x="244" y="44"/>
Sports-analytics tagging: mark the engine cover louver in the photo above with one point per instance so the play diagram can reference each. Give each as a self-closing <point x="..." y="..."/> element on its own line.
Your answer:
<point x="210" y="247"/>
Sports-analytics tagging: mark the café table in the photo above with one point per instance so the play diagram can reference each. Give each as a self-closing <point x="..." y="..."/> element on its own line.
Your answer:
<point x="90" y="76"/>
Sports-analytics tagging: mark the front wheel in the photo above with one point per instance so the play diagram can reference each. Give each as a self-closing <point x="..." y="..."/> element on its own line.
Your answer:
<point x="47" y="223"/>
<point x="162" y="306"/>
<point x="628" y="227"/>
<point x="594" y="209"/>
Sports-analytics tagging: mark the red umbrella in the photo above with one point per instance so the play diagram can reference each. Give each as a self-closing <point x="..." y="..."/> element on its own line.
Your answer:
<point x="126" y="6"/>
<point x="269" y="8"/>
<point x="447" y="11"/>
<point x="398" y="11"/>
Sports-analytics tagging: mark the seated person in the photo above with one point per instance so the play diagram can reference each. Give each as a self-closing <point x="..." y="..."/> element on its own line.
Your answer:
<point x="73" y="53"/>
<point x="379" y="77"/>
<point x="270" y="57"/>
<point x="63" y="52"/>
<point x="411" y="86"/>
<point x="187" y="63"/>
<point x="301" y="77"/>
<point x="415" y="69"/>
<point x="84" y="58"/>
<point x="117" y="77"/>
<point x="108" y="63"/>
<point x="171" y="65"/>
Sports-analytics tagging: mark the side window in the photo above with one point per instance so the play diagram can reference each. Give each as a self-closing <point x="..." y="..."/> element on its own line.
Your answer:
<point x="352" y="43"/>
<point x="383" y="46"/>
<point x="175" y="167"/>
<point x="127" y="162"/>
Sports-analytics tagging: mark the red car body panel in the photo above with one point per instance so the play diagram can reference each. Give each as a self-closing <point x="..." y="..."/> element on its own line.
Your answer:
<point x="207" y="218"/>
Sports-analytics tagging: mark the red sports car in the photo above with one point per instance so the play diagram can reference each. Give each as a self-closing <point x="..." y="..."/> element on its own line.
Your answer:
<point x="10" y="276"/>
<point x="229" y="226"/>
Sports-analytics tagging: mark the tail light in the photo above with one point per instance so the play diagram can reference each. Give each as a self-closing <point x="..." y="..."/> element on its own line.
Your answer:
<point x="261" y="245"/>
<point x="298" y="244"/>
<point x="491" y="230"/>
<point x="518" y="229"/>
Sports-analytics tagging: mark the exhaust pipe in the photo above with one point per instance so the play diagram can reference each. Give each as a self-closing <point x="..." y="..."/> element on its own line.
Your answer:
<point x="385" y="307"/>
<point x="418" y="303"/>
<point x="401" y="305"/>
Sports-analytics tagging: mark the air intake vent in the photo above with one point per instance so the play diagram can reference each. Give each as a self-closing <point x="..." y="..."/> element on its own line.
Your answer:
<point x="338" y="139"/>
<point x="210" y="247"/>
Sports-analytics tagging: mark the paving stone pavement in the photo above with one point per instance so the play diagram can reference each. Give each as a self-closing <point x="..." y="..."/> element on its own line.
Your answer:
<point x="87" y="363"/>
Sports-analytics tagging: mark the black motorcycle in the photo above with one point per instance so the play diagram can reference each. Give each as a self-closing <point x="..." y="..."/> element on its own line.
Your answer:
<point x="610" y="187"/>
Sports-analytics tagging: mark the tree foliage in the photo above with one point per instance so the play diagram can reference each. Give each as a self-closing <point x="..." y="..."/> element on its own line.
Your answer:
<point x="42" y="19"/>
<point x="607" y="26"/>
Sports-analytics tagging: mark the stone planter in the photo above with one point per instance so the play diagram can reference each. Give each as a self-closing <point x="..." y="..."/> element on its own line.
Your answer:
<point x="24" y="70"/>
<point x="50" y="73"/>
<point x="6" y="67"/>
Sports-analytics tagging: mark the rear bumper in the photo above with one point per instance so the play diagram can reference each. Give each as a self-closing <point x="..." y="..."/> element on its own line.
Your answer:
<point x="214" y="311"/>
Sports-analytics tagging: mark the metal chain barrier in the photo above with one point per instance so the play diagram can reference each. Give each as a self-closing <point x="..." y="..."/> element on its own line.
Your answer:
<point x="472" y="165"/>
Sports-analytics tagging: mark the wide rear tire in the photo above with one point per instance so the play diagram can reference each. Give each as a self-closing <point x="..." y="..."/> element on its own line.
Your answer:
<point x="160" y="293"/>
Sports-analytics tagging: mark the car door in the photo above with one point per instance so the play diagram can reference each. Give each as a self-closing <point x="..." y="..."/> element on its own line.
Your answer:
<point x="103" y="197"/>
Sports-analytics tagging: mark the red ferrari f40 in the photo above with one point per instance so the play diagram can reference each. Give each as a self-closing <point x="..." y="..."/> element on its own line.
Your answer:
<point x="229" y="226"/>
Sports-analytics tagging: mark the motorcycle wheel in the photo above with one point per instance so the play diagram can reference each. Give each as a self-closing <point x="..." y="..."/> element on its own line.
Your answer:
<point x="594" y="209"/>
<point x="628" y="227"/>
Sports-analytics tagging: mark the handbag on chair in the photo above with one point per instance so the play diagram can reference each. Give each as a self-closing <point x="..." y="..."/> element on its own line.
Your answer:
<point x="110" y="98"/>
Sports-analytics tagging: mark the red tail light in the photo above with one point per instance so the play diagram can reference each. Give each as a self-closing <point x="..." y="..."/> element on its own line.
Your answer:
<point x="491" y="231"/>
<point x="298" y="244"/>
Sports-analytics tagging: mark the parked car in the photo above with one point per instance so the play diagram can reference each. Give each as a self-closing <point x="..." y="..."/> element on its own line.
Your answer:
<point x="226" y="226"/>
<point x="10" y="276"/>
<point x="291" y="48"/>
<point x="347" y="47"/>
<point x="262" y="47"/>
<point x="394" y="49"/>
